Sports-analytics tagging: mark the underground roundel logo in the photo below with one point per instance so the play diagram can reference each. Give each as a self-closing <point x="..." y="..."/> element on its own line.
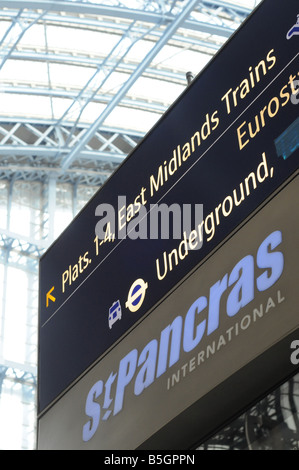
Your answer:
<point x="136" y="295"/>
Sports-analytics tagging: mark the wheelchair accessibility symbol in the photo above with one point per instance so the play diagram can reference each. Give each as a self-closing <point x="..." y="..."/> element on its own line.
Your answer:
<point x="136" y="295"/>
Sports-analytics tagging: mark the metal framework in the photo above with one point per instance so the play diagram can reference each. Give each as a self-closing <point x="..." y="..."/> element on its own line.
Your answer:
<point x="62" y="151"/>
<point x="272" y="424"/>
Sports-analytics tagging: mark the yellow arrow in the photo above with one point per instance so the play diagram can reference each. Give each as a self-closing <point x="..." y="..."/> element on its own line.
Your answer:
<point x="50" y="297"/>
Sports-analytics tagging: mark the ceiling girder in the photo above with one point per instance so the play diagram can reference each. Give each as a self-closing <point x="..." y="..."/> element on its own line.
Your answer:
<point x="87" y="8"/>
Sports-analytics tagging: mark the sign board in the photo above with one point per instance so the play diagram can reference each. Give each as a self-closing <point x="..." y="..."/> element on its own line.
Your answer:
<point x="226" y="144"/>
<point x="221" y="321"/>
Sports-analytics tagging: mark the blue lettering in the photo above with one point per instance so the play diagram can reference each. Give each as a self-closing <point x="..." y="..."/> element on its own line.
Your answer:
<point x="175" y="329"/>
<point x="243" y="291"/>
<point x="146" y="375"/>
<point x="216" y="292"/>
<point x="93" y="410"/>
<point x="272" y="261"/>
<point x="190" y="341"/>
<point x="159" y="355"/>
<point x="127" y="368"/>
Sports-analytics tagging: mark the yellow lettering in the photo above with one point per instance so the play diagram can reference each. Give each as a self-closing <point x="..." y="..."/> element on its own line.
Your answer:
<point x="240" y="136"/>
<point x="121" y="217"/>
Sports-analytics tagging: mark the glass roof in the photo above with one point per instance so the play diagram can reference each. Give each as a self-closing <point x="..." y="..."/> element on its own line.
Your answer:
<point x="67" y="65"/>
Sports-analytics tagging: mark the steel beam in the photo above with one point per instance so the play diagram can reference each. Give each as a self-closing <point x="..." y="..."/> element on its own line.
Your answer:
<point x="73" y="176"/>
<point x="85" y="8"/>
<point x="51" y="152"/>
<point x="24" y="28"/>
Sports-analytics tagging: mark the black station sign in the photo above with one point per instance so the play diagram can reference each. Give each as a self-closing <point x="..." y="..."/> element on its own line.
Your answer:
<point x="193" y="362"/>
<point x="227" y="143"/>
